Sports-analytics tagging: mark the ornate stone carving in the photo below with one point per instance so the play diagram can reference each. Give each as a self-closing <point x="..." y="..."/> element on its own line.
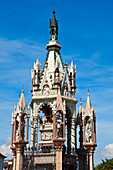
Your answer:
<point x="88" y="132"/>
<point x="46" y="136"/>
<point x="59" y="127"/>
<point x="46" y="90"/>
<point x="56" y="77"/>
<point x="65" y="91"/>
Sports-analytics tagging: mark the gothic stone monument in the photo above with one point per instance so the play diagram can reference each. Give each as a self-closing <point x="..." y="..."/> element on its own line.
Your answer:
<point x="53" y="143"/>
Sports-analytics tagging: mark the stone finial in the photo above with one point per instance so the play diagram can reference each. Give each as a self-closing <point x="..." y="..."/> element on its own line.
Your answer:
<point x="21" y="102"/>
<point x="80" y="108"/>
<point x="37" y="61"/>
<point x="72" y="65"/>
<point x="53" y="18"/>
<point x="88" y="103"/>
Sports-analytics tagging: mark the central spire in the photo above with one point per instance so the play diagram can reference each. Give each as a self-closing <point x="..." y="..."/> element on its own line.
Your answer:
<point x="53" y="27"/>
<point x="53" y="19"/>
<point x="53" y="43"/>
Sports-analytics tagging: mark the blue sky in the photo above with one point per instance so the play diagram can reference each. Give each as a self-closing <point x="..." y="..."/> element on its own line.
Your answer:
<point x="85" y="33"/>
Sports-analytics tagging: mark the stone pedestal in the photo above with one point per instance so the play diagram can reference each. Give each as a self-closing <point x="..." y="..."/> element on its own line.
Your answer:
<point x="19" y="159"/>
<point x="58" y="157"/>
<point x="90" y="153"/>
<point x="14" y="160"/>
<point x="59" y="143"/>
<point x="91" y="161"/>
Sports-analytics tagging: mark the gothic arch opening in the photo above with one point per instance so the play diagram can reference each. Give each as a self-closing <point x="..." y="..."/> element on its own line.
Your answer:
<point x="45" y="127"/>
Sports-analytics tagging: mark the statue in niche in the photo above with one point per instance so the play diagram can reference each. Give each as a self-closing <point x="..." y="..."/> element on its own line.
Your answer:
<point x="65" y="91"/>
<point x="46" y="90"/>
<point x="44" y="120"/>
<point x="22" y="130"/>
<point x="88" y="132"/>
<point x="59" y="127"/>
<point x="56" y="77"/>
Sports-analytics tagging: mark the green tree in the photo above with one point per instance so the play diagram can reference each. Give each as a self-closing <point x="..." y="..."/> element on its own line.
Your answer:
<point x="106" y="165"/>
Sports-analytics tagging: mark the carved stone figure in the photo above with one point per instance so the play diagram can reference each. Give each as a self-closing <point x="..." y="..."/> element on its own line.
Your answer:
<point x="47" y="136"/>
<point x="65" y="91"/>
<point x="88" y="132"/>
<point x="56" y="77"/>
<point x="46" y="90"/>
<point x="44" y="120"/>
<point x="59" y="127"/>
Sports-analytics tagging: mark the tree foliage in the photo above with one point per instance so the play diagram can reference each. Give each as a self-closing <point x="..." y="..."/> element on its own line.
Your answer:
<point x="106" y="165"/>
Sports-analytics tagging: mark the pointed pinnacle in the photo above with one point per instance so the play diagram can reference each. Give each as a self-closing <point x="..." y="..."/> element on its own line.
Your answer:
<point x="72" y="63"/>
<point x="88" y="103"/>
<point x="21" y="102"/>
<point x="80" y="108"/>
<point x="37" y="61"/>
<point x="53" y="19"/>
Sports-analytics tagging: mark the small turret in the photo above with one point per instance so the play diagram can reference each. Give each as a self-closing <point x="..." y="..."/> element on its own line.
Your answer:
<point x="36" y="75"/>
<point x="89" y="130"/>
<point x="18" y="141"/>
<point x="72" y="74"/>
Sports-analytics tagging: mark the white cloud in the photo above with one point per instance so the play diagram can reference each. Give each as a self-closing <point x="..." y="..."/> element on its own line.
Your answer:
<point x="16" y="49"/>
<point x="107" y="151"/>
<point x="5" y="149"/>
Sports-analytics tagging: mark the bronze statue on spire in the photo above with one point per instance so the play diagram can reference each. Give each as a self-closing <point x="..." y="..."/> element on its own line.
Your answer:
<point x="53" y="27"/>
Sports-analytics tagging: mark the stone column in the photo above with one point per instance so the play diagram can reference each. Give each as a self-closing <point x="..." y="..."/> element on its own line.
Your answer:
<point x="27" y="128"/>
<point x="54" y="126"/>
<point x="12" y="135"/>
<point x="75" y="136"/>
<point x="73" y="129"/>
<point x="58" y="157"/>
<point x="92" y="129"/>
<point x="14" y="160"/>
<point x="34" y="133"/>
<point x="63" y="125"/>
<point x="19" y="158"/>
<point x="83" y="131"/>
<point x="73" y="132"/>
<point x="31" y="134"/>
<point x="81" y="137"/>
<point x="32" y="124"/>
<point x="68" y="135"/>
<point x="15" y="130"/>
<point x="20" y="116"/>
<point x="91" y="163"/>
